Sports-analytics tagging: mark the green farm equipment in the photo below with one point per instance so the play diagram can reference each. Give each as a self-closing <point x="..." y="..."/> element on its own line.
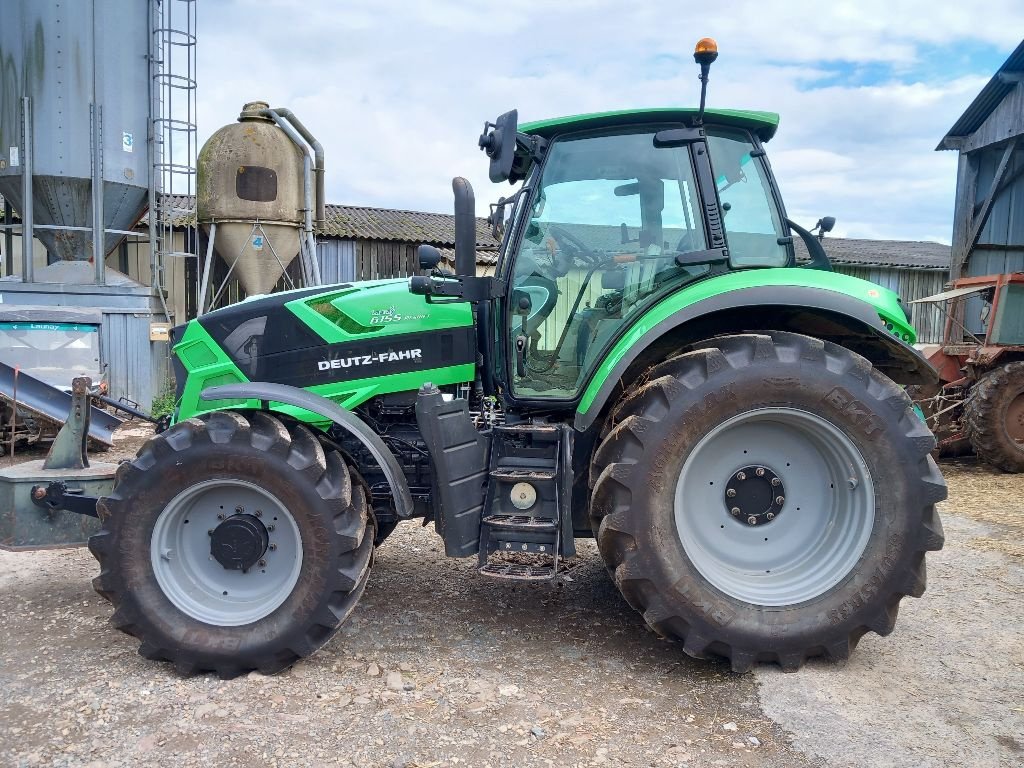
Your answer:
<point x="648" y="366"/>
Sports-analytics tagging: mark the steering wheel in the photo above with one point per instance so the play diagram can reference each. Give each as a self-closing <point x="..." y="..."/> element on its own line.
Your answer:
<point x="576" y="247"/>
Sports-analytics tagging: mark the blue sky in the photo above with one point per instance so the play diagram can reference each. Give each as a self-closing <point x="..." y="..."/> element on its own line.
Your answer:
<point x="398" y="91"/>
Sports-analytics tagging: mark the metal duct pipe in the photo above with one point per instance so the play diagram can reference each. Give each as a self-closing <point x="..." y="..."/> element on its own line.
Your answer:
<point x="318" y="152"/>
<point x="293" y="134"/>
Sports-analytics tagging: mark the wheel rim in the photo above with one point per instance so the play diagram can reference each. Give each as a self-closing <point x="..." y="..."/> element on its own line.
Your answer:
<point x="1015" y="419"/>
<point x="772" y="553"/>
<point x="209" y="518"/>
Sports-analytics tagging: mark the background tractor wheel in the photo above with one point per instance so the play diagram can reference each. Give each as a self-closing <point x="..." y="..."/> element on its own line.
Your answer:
<point x="233" y="542"/>
<point x="995" y="417"/>
<point x="767" y="498"/>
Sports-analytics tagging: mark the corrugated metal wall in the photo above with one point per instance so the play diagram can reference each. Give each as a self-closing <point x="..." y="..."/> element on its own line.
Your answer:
<point x="135" y="367"/>
<point x="344" y="261"/>
<point x="337" y="260"/>
<point x="1000" y="246"/>
<point x="910" y="284"/>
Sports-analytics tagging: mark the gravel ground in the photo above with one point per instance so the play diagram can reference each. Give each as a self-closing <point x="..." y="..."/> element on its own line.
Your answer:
<point x="440" y="667"/>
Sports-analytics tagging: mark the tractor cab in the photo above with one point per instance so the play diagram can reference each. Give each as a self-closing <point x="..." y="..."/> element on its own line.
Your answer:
<point x="618" y="210"/>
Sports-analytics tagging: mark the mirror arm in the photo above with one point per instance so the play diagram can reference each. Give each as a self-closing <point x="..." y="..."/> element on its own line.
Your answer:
<point x="819" y="259"/>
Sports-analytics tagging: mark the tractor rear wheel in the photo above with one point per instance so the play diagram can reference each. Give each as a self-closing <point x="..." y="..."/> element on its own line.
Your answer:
<point x="766" y="497"/>
<point x="233" y="542"/>
<point x="995" y="417"/>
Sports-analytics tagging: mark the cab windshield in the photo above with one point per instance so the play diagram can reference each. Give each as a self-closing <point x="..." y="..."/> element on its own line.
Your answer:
<point x="607" y="218"/>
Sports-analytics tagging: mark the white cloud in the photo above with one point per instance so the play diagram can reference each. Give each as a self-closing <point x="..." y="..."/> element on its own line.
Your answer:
<point x="398" y="92"/>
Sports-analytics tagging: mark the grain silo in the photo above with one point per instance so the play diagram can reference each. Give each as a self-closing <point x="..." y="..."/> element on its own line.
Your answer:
<point x="86" y="137"/>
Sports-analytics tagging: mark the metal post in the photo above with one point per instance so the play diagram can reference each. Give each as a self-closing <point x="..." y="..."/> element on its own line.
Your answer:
<point x="8" y="238"/>
<point x="27" y="221"/>
<point x="204" y="279"/>
<point x="99" y="241"/>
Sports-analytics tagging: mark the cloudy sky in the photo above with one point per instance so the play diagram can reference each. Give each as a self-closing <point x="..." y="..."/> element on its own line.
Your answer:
<point x="398" y="91"/>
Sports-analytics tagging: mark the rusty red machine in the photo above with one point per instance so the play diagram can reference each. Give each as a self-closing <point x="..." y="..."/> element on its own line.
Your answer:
<point x="979" y="401"/>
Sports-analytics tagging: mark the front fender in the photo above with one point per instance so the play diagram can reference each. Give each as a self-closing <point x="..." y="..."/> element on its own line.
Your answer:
<point x="331" y="411"/>
<point x="876" y="319"/>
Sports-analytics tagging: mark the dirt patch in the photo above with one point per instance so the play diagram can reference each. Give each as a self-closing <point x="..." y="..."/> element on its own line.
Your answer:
<point x="490" y="673"/>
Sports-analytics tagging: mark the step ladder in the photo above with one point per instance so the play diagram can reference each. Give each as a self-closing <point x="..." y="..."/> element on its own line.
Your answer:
<point x="527" y="523"/>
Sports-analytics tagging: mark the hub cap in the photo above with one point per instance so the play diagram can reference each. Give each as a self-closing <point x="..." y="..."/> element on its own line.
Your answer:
<point x="774" y="506"/>
<point x="226" y="552"/>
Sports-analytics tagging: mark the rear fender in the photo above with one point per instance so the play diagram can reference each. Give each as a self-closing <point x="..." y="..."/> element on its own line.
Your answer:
<point x="826" y="314"/>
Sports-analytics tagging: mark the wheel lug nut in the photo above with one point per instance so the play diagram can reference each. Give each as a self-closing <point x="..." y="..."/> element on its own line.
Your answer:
<point x="273" y="547"/>
<point x="730" y="492"/>
<point x="776" y="481"/>
<point x="735" y="510"/>
<point x="270" y="528"/>
<point x="210" y="532"/>
<point x="770" y="516"/>
<point x="259" y="513"/>
<point x="741" y="475"/>
<point x="262" y="563"/>
<point x="239" y="509"/>
<point x="780" y="500"/>
<point x="220" y="516"/>
<point x="752" y="520"/>
<point x="759" y="472"/>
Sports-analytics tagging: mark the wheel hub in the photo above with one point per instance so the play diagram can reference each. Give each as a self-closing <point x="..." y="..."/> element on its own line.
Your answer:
<point x="755" y="495"/>
<point x="239" y="542"/>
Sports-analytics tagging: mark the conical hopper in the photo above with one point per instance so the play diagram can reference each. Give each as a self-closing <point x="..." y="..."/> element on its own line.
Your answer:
<point x="250" y="172"/>
<point x="251" y="249"/>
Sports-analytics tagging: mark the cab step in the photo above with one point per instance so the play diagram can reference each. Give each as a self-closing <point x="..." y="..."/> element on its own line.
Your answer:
<point x="517" y="572"/>
<point x="518" y="474"/>
<point x="525" y="523"/>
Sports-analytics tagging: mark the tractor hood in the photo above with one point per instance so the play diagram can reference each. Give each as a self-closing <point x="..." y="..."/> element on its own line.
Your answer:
<point x="346" y="342"/>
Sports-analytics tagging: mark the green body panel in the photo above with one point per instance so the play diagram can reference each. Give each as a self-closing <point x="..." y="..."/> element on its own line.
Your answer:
<point x="372" y="309"/>
<point x="885" y="302"/>
<point x="376" y="308"/>
<point x="764" y="124"/>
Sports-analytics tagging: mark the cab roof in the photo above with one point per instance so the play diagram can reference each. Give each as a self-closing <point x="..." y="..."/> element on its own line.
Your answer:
<point x="764" y="124"/>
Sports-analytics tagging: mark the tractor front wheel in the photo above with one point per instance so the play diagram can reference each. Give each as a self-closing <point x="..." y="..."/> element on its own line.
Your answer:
<point x="995" y="417"/>
<point x="766" y="498"/>
<point x="233" y="542"/>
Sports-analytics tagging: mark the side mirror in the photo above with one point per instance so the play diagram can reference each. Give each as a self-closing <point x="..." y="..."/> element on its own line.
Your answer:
<point x="825" y="224"/>
<point x="428" y="256"/>
<point x="498" y="141"/>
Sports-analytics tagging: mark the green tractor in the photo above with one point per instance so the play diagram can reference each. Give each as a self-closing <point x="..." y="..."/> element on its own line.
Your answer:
<point x="648" y="366"/>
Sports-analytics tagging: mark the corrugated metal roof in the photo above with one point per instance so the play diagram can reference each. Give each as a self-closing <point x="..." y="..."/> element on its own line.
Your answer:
<point x="906" y="254"/>
<point x="986" y="101"/>
<point x="404" y="226"/>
